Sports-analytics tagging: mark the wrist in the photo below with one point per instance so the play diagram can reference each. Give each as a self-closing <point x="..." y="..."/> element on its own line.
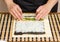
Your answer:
<point x="9" y="2"/>
<point x="51" y="3"/>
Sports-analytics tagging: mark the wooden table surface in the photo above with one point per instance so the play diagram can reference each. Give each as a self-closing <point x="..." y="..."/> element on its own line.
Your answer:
<point x="6" y="23"/>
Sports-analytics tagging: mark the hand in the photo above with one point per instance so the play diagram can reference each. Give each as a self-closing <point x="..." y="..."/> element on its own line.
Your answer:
<point x="42" y="11"/>
<point x="15" y="11"/>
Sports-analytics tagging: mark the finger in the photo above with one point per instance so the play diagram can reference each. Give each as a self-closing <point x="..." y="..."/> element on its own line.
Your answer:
<point x="39" y="15"/>
<point x="45" y="14"/>
<point x="39" y="9"/>
<point x="13" y="14"/>
<point x="42" y="15"/>
<point x="18" y="13"/>
<point x="19" y="9"/>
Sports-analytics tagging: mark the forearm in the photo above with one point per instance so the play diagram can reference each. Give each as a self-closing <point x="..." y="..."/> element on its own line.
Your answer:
<point x="52" y="2"/>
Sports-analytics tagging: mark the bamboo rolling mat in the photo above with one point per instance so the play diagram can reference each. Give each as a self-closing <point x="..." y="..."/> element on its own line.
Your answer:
<point x="6" y="21"/>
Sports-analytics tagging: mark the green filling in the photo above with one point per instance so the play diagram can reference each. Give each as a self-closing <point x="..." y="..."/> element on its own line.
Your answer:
<point x="28" y="17"/>
<point x="32" y="19"/>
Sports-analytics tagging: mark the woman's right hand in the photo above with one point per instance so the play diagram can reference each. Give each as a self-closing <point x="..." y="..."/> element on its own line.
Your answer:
<point x="15" y="10"/>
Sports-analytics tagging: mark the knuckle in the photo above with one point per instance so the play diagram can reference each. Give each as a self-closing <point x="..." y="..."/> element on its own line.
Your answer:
<point x="36" y="10"/>
<point x="10" y="9"/>
<point x="16" y="5"/>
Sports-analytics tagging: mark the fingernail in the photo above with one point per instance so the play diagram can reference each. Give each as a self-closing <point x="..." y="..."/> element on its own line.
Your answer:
<point x="37" y="10"/>
<point x="21" y="17"/>
<point x="36" y="18"/>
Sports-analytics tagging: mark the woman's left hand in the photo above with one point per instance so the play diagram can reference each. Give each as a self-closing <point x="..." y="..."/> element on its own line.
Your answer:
<point x="42" y="11"/>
